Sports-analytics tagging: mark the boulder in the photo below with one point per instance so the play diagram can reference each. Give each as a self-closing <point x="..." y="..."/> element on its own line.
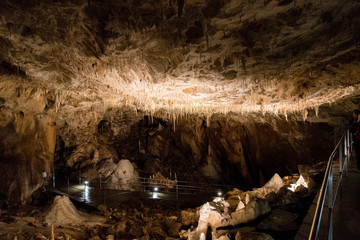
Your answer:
<point x="241" y="230"/>
<point x="222" y="237"/>
<point x="124" y="177"/>
<point x="173" y="226"/>
<point x="252" y="236"/>
<point x="240" y="206"/>
<point x="233" y="192"/>
<point x="280" y="221"/>
<point x="285" y="197"/>
<point x="233" y="201"/>
<point x="135" y="229"/>
<point x="273" y="185"/>
<point x="252" y="211"/>
<point x="188" y="217"/>
<point x="120" y="228"/>
<point x="214" y="214"/>
<point x="310" y="176"/>
<point x="156" y="232"/>
<point x="106" y="168"/>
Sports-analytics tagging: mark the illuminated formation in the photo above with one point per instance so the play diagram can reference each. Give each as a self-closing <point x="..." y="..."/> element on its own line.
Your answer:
<point x="152" y="96"/>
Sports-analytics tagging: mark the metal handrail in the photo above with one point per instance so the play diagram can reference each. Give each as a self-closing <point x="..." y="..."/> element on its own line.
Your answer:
<point x="140" y="187"/>
<point x="146" y="182"/>
<point x="342" y="150"/>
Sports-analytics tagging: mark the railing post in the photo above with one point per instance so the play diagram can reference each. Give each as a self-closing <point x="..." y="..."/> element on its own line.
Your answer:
<point x="346" y="155"/>
<point x="349" y="142"/>
<point x="341" y="157"/>
<point x="351" y="145"/>
<point x="330" y="202"/>
<point x="177" y="192"/>
<point x="342" y="160"/>
<point x="348" y="149"/>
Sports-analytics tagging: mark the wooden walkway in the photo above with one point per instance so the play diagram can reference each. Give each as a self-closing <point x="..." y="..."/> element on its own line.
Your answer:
<point x="346" y="212"/>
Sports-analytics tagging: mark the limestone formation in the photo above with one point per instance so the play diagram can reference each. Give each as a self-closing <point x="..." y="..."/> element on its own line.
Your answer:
<point x="213" y="92"/>
<point x="106" y="78"/>
<point x="252" y="210"/>
<point x="63" y="212"/>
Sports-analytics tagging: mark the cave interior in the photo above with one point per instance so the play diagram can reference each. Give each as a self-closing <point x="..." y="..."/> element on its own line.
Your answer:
<point x="212" y="91"/>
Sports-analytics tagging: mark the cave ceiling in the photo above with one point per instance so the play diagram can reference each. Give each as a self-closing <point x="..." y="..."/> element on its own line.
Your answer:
<point x="179" y="57"/>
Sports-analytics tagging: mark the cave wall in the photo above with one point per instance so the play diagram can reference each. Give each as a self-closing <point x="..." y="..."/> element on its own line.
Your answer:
<point x="236" y="150"/>
<point x="66" y="62"/>
<point x="26" y="151"/>
<point x="27" y="137"/>
<point x="233" y="150"/>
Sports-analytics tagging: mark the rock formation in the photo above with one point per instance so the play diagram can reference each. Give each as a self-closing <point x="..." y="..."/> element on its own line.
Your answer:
<point x="212" y="90"/>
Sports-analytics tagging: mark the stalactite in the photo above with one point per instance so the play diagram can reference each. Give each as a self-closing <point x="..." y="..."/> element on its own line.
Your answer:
<point x="208" y="121"/>
<point x="317" y="111"/>
<point x="305" y="114"/>
<point x="174" y="122"/>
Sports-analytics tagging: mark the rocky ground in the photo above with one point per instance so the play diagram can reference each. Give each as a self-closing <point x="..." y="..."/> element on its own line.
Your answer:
<point x="270" y="212"/>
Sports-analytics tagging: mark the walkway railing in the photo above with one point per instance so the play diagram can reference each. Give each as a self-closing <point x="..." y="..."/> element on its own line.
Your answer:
<point x="98" y="191"/>
<point x="328" y="191"/>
